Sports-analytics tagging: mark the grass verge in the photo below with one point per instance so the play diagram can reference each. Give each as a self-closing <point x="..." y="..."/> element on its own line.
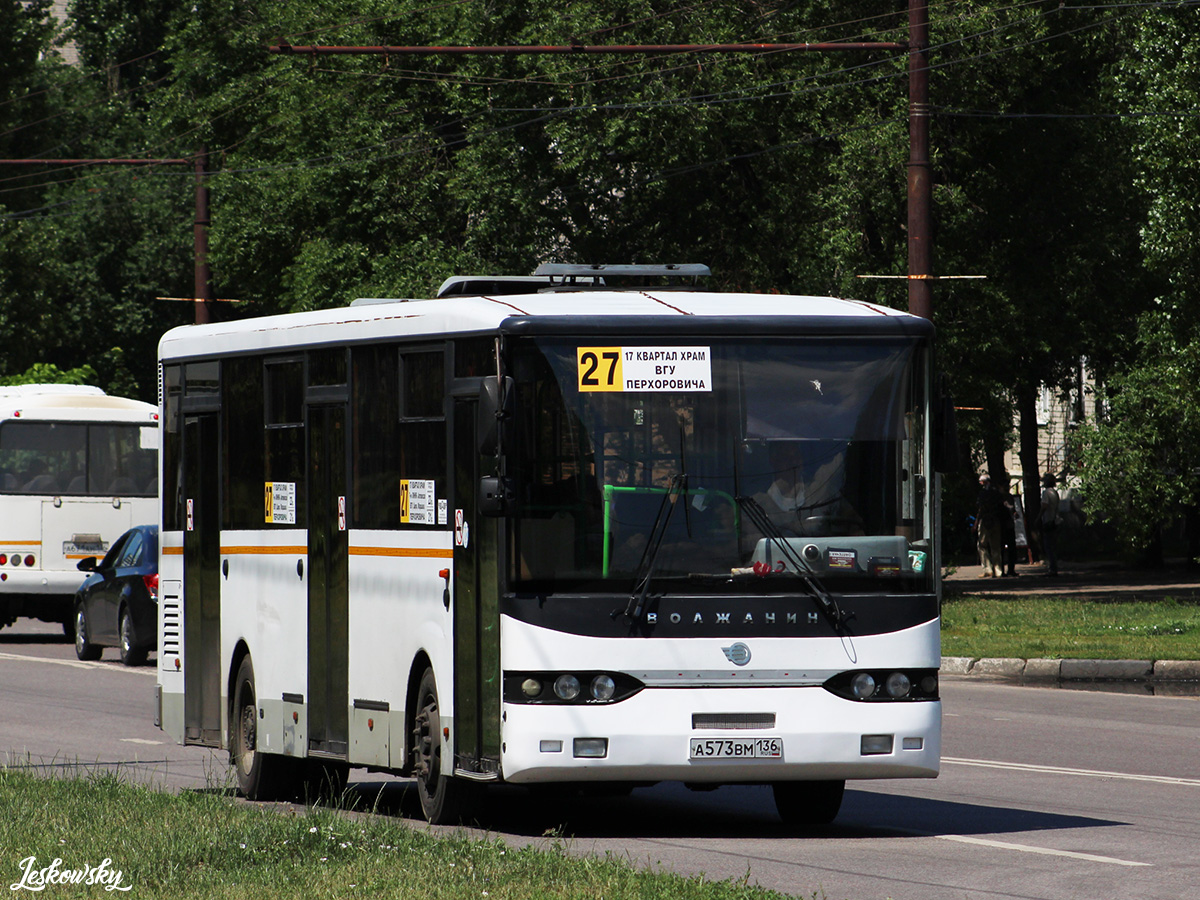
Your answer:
<point x="1043" y="627"/>
<point x="204" y="845"/>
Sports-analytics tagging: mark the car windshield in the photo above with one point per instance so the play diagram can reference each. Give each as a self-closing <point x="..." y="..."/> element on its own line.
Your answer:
<point x="826" y="437"/>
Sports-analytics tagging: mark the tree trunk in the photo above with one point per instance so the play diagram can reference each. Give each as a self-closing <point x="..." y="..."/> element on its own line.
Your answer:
<point x="1031" y="493"/>
<point x="993" y="449"/>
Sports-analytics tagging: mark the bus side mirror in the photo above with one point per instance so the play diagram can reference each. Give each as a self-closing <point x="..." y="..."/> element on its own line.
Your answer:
<point x="495" y="496"/>
<point x="496" y="400"/>
<point x="946" y="455"/>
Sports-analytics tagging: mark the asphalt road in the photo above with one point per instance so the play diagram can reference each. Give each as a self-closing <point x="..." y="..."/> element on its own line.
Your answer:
<point x="1044" y="793"/>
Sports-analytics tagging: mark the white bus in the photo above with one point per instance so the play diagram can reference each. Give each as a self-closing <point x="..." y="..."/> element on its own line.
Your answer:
<point x="586" y="535"/>
<point x="77" y="469"/>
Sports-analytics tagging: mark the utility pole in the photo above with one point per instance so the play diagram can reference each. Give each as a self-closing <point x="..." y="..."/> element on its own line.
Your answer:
<point x="203" y="294"/>
<point x="920" y="178"/>
<point x="203" y="289"/>
<point x="920" y="182"/>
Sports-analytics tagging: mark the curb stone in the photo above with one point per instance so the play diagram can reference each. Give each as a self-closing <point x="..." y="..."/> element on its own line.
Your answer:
<point x="998" y="668"/>
<point x="956" y="665"/>
<point x="1107" y="669"/>
<point x="1164" y="671"/>
<point x="1177" y="670"/>
<point x="1043" y="670"/>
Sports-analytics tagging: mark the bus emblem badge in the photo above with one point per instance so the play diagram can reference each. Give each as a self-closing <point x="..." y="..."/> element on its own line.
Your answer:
<point x="738" y="654"/>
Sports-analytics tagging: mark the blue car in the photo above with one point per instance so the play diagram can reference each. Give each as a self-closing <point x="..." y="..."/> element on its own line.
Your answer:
<point x="117" y="604"/>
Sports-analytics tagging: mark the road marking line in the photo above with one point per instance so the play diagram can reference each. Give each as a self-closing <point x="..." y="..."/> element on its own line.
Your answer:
<point x="1061" y="770"/>
<point x="1044" y="851"/>
<point x="139" y="741"/>
<point x="78" y="664"/>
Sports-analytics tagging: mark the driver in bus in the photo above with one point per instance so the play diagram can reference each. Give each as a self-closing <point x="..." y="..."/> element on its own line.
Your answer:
<point x="802" y="506"/>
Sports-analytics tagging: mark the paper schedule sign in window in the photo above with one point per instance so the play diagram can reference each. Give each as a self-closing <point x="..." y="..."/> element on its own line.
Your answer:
<point x="646" y="369"/>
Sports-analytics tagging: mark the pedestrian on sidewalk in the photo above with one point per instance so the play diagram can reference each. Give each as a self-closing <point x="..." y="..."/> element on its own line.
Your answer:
<point x="1008" y="530"/>
<point x="1049" y="521"/>
<point x="989" y="508"/>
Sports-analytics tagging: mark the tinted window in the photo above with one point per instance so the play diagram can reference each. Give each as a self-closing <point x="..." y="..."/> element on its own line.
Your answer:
<point x="88" y="460"/>
<point x="133" y="551"/>
<point x="375" y="437"/>
<point x="172" y="457"/>
<point x="399" y="436"/>
<point x="422" y="386"/>
<point x="285" y="393"/>
<point x="242" y="439"/>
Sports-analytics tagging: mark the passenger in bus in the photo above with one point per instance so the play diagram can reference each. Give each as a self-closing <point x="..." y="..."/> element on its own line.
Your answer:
<point x="39" y="480"/>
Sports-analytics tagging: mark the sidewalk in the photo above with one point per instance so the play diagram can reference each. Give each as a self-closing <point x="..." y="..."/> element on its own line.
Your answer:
<point x="1090" y="581"/>
<point x="1085" y="580"/>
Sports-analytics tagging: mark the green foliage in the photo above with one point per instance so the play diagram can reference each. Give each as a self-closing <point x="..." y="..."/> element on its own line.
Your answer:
<point x="48" y="373"/>
<point x="1056" y="174"/>
<point x="1139" y="464"/>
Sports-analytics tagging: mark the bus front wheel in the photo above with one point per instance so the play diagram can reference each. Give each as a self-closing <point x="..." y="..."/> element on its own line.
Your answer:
<point x="441" y="795"/>
<point x="808" y="802"/>
<point x="260" y="776"/>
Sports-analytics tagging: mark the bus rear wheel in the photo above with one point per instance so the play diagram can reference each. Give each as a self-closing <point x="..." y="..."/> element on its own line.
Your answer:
<point x="442" y="797"/>
<point x="808" y="802"/>
<point x="260" y="776"/>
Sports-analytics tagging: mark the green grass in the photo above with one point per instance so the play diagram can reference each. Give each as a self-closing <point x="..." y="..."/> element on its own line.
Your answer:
<point x="1041" y="627"/>
<point x="205" y="845"/>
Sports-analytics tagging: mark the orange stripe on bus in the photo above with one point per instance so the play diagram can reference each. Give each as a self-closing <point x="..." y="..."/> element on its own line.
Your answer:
<point x="421" y="552"/>
<point x="237" y="550"/>
<point x="436" y="552"/>
<point x="20" y="543"/>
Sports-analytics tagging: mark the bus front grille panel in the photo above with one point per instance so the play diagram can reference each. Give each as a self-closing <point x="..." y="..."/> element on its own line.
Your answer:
<point x="727" y="721"/>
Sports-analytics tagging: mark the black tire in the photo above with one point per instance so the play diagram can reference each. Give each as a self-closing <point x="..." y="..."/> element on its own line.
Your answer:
<point x="808" y="802"/>
<point x="260" y="776"/>
<point x="442" y="797"/>
<point x="131" y="653"/>
<point x="84" y="648"/>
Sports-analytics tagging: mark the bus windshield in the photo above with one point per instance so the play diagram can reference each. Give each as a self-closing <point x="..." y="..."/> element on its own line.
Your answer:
<point x="632" y="455"/>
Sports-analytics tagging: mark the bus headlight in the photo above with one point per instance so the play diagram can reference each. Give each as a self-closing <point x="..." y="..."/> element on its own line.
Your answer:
<point x="603" y="687"/>
<point x="558" y="688"/>
<point x="897" y="685"/>
<point x="863" y="686"/>
<point x="885" y="685"/>
<point x="566" y="687"/>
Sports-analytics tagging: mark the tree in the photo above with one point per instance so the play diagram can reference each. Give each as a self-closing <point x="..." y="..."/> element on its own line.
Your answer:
<point x="1139" y="465"/>
<point x="1036" y="191"/>
<point x="84" y="250"/>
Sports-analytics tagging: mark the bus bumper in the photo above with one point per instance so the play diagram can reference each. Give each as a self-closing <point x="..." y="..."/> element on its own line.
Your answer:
<point x="648" y="738"/>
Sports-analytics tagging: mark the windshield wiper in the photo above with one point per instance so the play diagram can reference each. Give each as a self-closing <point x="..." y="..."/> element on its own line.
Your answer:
<point x="758" y="516"/>
<point x="676" y="487"/>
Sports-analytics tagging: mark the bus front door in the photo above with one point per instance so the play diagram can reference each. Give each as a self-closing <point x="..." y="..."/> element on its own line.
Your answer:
<point x="201" y="582"/>
<point x="476" y="611"/>
<point x="328" y="583"/>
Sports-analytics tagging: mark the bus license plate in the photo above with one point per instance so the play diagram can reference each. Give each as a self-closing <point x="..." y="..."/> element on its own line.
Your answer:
<point x="737" y="748"/>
